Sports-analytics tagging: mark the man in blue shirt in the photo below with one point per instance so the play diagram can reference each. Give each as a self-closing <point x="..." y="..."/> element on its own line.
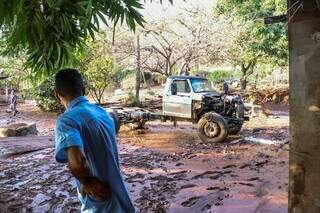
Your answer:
<point x="85" y="139"/>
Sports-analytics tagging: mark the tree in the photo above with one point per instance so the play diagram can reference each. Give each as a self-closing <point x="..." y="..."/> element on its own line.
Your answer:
<point x="255" y="43"/>
<point x="202" y="39"/>
<point x="182" y="43"/>
<point x="13" y="68"/>
<point x="99" y="74"/>
<point x="161" y="56"/>
<point x="98" y="68"/>
<point x="43" y="94"/>
<point x="51" y="30"/>
<point x="172" y="46"/>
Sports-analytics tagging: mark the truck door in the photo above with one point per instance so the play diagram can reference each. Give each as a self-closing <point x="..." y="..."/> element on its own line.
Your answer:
<point x="179" y="103"/>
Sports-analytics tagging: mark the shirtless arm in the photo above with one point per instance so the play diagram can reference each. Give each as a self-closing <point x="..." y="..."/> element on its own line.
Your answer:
<point x="78" y="167"/>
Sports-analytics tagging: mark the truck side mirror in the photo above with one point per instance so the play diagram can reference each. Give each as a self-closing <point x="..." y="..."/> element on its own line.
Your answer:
<point x="174" y="89"/>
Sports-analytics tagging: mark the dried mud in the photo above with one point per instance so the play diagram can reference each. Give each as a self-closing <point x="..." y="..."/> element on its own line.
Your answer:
<point x="166" y="168"/>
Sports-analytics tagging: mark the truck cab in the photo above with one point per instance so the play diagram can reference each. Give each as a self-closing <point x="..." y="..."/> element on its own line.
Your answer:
<point x="181" y="93"/>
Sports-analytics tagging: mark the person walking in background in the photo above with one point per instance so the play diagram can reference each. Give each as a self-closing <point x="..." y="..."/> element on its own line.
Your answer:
<point x="13" y="102"/>
<point x="85" y="138"/>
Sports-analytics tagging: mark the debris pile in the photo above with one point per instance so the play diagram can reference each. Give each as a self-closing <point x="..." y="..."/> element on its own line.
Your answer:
<point x="153" y="104"/>
<point x="262" y="96"/>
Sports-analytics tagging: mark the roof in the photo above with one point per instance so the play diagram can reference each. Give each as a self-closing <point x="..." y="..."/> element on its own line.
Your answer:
<point x="184" y="77"/>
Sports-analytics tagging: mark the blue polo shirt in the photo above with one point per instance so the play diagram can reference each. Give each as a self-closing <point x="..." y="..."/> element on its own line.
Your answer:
<point x="90" y="128"/>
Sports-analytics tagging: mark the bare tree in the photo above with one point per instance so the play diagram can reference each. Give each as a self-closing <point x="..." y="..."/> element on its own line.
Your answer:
<point x="184" y="43"/>
<point x="162" y="55"/>
<point x="178" y="45"/>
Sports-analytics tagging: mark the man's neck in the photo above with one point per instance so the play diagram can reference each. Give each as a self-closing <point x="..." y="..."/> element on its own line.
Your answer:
<point x="69" y="100"/>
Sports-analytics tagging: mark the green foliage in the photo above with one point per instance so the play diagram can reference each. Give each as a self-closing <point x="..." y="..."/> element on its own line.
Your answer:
<point x="100" y="74"/>
<point x="98" y="68"/>
<point x="44" y="96"/>
<point x="19" y="77"/>
<point x="256" y="42"/>
<point x="50" y="30"/>
<point x="218" y="76"/>
<point x="132" y="100"/>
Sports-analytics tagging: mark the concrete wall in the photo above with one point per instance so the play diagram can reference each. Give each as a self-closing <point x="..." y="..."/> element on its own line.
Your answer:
<point x="304" y="44"/>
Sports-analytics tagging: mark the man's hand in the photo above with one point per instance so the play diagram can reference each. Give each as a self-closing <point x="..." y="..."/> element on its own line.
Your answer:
<point x="90" y="185"/>
<point x="97" y="189"/>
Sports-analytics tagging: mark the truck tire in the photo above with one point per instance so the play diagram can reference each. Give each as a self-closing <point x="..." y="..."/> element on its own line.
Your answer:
<point x="116" y="119"/>
<point x="212" y="128"/>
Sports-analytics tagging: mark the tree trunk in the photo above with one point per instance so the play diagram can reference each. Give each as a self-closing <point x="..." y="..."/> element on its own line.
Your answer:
<point x="246" y="72"/>
<point x="243" y="83"/>
<point x="138" y="66"/>
<point x="243" y="79"/>
<point x="256" y="81"/>
<point x="304" y="163"/>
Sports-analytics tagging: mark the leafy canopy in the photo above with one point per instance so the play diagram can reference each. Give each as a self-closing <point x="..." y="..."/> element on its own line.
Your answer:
<point x="98" y="67"/>
<point x="50" y="30"/>
<point x="254" y="39"/>
<point x="44" y="96"/>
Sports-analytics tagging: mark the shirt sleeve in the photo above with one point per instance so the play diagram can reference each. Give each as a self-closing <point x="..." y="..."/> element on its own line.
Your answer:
<point x="66" y="135"/>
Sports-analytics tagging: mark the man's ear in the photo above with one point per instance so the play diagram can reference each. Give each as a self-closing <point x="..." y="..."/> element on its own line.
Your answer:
<point x="58" y="96"/>
<point x="55" y="93"/>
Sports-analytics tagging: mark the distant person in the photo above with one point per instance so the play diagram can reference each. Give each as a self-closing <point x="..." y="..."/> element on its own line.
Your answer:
<point x="13" y="102"/>
<point x="85" y="139"/>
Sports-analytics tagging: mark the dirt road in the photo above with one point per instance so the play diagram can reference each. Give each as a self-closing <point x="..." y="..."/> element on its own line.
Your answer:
<point x="167" y="169"/>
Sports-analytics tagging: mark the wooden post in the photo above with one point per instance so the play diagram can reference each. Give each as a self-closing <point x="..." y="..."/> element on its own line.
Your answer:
<point x="304" y="163"/>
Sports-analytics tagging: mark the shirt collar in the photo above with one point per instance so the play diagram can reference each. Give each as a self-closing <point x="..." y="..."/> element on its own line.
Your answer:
<point x="75" y="102"/>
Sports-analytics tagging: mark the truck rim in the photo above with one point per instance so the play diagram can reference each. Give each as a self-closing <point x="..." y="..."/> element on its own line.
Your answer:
<point x="211" y="129"/>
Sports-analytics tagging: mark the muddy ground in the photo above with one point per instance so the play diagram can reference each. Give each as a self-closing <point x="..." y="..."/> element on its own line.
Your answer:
<point x="167" y="168"/>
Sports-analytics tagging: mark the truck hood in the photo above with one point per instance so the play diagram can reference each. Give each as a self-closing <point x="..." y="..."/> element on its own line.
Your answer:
<point x="198" y="96"/>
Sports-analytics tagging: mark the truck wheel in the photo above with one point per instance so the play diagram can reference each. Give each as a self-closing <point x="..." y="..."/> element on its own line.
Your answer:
<point x="212" y="128"/>
<point x="116" y="119"/>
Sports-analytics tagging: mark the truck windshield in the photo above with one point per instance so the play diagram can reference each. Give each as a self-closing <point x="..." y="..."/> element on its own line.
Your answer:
<point x="201" y="85"/>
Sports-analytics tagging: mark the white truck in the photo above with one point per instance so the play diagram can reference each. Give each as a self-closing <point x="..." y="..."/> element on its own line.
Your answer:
<point x="193" y="99"/>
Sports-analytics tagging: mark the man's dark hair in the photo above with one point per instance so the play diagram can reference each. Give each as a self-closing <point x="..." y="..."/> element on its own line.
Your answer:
<point x="69" y="83"/>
